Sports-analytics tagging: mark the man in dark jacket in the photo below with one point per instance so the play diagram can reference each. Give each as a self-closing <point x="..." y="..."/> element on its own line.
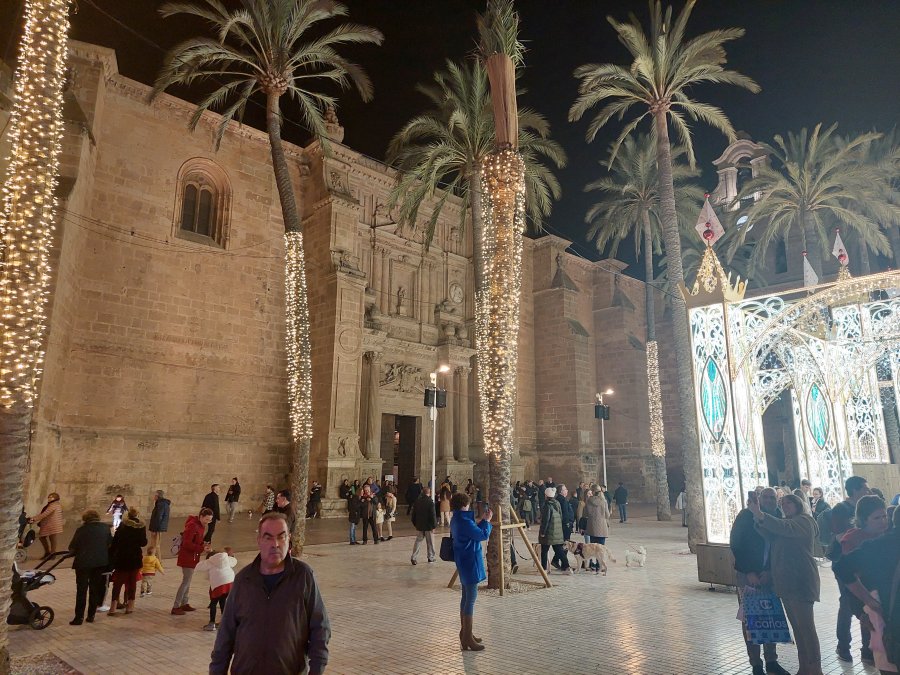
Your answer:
<point x="232" y="497"/>
<point x="159" y="517"/>
<point x="211" y="502"/>
<point x="283" y="506"/>
<point x="314" y="507"/>
<point x="621" y="497"/>
<point x="424" y="520"/>
<point x="752" y="564"/>
<point x="275" y="619"/>
<point x="412" y="494"/>
<point x="90" y="544"/>
<point x="568" y="520"/>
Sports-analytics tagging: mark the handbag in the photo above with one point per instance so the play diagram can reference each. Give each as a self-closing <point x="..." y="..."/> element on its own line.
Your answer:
<point x="764" y="616"/>
<point x="446" y="552"/>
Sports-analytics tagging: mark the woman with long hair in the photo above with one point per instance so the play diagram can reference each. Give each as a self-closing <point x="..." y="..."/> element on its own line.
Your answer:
<point x="127" y="560"/>
<point x="467" y="534"/>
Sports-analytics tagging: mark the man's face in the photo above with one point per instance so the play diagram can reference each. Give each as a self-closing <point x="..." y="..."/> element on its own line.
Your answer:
<point x="216" y="489"/>
<point x="862" y="492"/>
<point x="564" y="491"/>
<point x="806" y="488"/>
<point x="768" y="500"/>
<point x="549" y="479"/>
<point x="273" y="541"/>
<point x="281" y="501"/>
<point x="427" y="492"/>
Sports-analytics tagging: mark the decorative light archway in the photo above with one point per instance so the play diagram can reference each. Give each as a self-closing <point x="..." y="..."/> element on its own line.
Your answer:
<point x="822" y="343"/>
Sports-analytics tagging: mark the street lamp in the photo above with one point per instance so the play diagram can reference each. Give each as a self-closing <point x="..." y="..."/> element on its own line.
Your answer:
<point x="601" y="412"/>
<point x="435" y="398"/>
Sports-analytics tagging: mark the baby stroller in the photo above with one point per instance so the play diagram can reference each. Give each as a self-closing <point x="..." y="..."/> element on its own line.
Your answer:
<point x="27" y="535"/>
<point x="23" y="611"/>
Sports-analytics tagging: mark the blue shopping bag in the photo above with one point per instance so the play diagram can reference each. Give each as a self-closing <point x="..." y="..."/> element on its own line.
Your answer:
<point x="764" y="616"/>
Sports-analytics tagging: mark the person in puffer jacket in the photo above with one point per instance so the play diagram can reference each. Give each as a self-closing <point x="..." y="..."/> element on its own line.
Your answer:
<point x="220" y="569"/>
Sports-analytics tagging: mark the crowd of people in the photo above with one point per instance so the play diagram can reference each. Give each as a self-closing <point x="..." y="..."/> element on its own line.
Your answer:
<point x="779" y="542"/>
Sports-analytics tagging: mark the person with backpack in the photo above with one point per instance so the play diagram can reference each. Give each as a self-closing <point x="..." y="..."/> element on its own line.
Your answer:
<point x="872" y="574"/>
<point x="841" y="520"/>
<point x="189" y="546"/>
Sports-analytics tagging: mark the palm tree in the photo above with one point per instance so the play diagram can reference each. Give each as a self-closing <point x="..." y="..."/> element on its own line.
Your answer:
<point x="440" y="152"/>
<point x="629" y="207"/>
<point x="818" y="181"/>
<point x="657" y="84"/>
<point x="27" y="217"/>
<point x="275" y="48"/>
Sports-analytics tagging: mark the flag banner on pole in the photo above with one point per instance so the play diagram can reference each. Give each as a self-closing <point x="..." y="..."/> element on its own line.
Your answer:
<point x="839" y="251"/>
<point x="810" y="278"/>
<point x="708" y="225"/>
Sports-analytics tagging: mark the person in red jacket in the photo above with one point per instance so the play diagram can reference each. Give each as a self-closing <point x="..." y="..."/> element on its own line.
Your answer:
<point x="192" y="545"/>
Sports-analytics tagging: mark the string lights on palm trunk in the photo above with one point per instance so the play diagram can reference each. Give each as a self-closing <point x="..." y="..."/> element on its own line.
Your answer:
<point x="29" y="200"/>
<point x="497" y="321"/>
<point x="299" y="364"/>
<point x="657" y="435"/>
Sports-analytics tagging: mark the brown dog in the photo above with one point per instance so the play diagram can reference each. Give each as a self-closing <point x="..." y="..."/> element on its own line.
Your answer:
<point x="589" y="553"/>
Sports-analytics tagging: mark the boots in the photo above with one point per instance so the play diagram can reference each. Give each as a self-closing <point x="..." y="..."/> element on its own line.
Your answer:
<point x="466" y="640"/>
<point x="113" y="604"/>
<point x="129" y="607"/>
<point x="462" y="618"/>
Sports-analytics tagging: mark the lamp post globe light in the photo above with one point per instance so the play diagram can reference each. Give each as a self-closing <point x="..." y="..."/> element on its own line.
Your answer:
<point x="435" y="398"/>
<point x="601" y="412"/>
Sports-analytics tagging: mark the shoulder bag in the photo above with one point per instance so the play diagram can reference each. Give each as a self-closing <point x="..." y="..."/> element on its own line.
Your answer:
<point x="446" y="552"/>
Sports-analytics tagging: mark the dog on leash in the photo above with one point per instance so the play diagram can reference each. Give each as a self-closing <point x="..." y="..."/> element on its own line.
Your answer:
<point x="595" y="555"/>
<point x="636" y="556"/>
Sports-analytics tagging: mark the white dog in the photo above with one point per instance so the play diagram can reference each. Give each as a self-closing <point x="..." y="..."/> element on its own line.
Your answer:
<point x="636" y="555"/>
<point x="590" y="553"/>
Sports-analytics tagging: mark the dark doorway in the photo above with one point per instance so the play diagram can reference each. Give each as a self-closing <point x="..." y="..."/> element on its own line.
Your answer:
<point x="399" y="445"/>
<point x="781" y="448"/>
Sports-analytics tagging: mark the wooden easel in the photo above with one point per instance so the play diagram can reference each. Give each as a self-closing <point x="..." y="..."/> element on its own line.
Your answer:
<point x="519" y="526"/>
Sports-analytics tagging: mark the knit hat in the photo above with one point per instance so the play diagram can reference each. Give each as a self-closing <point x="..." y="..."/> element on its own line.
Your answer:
<point x="550" y="492"/>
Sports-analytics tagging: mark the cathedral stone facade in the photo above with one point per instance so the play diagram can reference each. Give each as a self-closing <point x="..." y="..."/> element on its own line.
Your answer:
<point x="165" y="356"/>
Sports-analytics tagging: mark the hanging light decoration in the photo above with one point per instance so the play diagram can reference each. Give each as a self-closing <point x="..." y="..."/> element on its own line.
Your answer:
<point x="657" y="436"/>
<point x="299" y="364"/>
<point x="29" y="201"/>
<point x="497" y="320"/>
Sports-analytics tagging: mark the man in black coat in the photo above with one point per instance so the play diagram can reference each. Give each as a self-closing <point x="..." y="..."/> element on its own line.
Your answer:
<point x="159" y="518"/>
<point x="90" y="544"/>
<point x="412" y="494"/>
<point x="211" y="502"/>
<point x="568" y="519"/>
<point x="621" y="497"/>
<point x="752" y="564"/>
<point x="424" y="520"/>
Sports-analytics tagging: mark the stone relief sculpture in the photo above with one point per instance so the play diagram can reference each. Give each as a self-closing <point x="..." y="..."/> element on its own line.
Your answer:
<point x="403" y="377"/>
<point x="401" y="301"/>
<point x="338" y="182"/>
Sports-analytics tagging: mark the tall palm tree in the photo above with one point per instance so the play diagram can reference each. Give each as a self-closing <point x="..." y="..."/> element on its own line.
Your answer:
<point x="26" y="229"/>
<point x="275" y="48"/>
<point x="440" y="151"/>
<point x="817" y="181"/>
<point x="629" y="207"/>
<point x="657" y="84"/>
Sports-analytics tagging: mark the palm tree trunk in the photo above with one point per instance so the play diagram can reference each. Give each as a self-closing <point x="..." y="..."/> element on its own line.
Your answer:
<point x="15" y="423"/>
<point x="690" y="443"/>
<point x="474" y="181"/>
<point x="811" y="244"/>
<point x="654" y="393"/>
<point x="865" y="266"/>
<point x="894" y="233"/>
<point x="297" y="348"/>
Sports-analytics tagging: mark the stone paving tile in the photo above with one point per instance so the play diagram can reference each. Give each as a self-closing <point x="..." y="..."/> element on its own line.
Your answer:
<point x="390" y="617"/>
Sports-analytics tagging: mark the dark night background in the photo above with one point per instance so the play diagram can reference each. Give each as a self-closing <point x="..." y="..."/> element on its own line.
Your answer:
<point x="816" y="60"/>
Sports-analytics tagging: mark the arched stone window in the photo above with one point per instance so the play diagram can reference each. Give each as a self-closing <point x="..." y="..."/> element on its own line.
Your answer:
<point x="203" y="205"/>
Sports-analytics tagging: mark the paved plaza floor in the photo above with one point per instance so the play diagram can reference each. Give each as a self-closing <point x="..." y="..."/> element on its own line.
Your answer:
<point x="391" y="617"/>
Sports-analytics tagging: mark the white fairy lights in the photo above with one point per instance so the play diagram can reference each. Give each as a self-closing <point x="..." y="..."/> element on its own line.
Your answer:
<point x="29" y="202"/>
<point x="497" y="320"/>
<point x="657" y="436"/>
<point x="299" y="363"/>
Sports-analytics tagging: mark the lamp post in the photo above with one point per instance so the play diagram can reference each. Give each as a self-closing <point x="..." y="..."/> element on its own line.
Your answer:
<point x="435" y="398"/>
<point x="601" y="412"/>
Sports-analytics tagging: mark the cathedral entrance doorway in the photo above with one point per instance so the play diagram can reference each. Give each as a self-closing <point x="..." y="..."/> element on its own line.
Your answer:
<point x="401" y="437"/>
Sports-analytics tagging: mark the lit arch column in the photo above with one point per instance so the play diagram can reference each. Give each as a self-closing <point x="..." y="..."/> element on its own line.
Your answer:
<point x="461" y="409"/>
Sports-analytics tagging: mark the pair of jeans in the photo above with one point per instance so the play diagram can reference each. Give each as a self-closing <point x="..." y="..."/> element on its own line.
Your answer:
<point x="597" y="540"/>
<point x="467" y="601"/>
<point x="231" y="507"/>
<point x="429" y="545"/>
<point x="216" y="602"/>
<point x="623" y="515"/>
<point x="352" y="533"/>
<point x="181" y="595"/>
<point x="559" y="553"/>
<point x="90" y="586"/>
<point x="848" y="606"/>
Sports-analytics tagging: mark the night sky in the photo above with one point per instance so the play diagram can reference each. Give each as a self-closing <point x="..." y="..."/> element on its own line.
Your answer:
<point x="816" y="60"/>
